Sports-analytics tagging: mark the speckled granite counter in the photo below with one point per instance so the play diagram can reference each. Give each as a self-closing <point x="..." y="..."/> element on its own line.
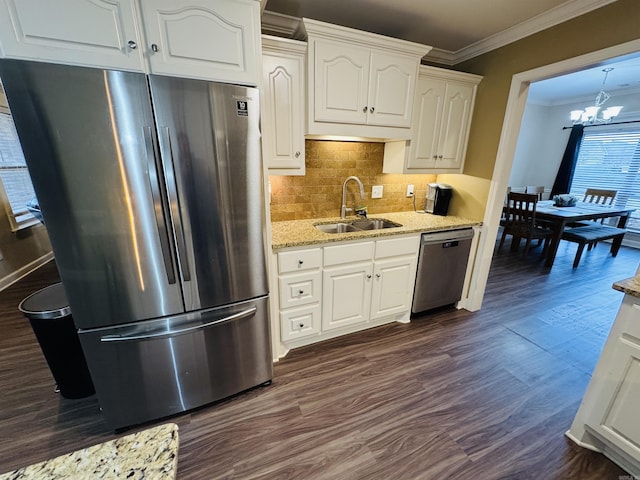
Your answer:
<point x="151" y="454"/>
<point x="302" y="232"/>
<point x="630" y="286"/>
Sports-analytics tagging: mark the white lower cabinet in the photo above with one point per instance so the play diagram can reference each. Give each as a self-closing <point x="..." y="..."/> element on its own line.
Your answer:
<point x="392" y="289"/>
<point x="299" y="292"/>
<point x="346" y="282"/>
<point x="608" y="419"/>
<point x="363" y="284"/>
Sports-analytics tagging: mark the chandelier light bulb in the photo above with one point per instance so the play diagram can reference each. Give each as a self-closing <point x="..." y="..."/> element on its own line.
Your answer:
<point x="589" y="115"/>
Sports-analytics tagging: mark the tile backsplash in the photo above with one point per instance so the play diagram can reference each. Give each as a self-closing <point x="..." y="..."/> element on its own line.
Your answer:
<point x="328" y="163"/>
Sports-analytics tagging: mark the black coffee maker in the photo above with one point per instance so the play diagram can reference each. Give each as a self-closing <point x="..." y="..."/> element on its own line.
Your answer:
<point x="438" y="198"/>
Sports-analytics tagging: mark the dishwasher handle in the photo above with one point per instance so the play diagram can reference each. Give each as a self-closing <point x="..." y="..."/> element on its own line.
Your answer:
<point x="449" y="237"/>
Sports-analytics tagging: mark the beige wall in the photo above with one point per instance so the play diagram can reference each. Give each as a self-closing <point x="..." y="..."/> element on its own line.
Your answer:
<point x="611" y="25"/>
<point x="19" y="249"/>
<point x="318" y="194"/>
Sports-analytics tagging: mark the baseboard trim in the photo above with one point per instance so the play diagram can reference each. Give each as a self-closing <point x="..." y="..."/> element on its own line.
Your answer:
<point x="13" y="277"/>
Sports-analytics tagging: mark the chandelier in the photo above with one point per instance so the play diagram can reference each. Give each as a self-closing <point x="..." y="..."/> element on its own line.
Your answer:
<point x="591" y="115"/>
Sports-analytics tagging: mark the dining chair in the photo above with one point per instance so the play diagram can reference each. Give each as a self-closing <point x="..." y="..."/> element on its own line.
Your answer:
<point x="539" y="191"/>
<point x="599" y="195"/>
<point x="520" y="222"/>
<point x="595" y="195"/>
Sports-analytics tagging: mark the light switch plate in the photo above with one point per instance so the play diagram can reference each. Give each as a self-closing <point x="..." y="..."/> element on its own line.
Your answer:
<point x="376" y="191"/>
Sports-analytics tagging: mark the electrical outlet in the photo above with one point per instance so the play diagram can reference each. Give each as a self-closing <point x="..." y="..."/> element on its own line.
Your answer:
<point x="376" y="191"/>
<point x="409" y="190"/>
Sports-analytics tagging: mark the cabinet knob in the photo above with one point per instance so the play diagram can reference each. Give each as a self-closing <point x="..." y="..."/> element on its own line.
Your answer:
<point x="371" y="109"/>
<point x="364" y="109"/>
<point x="369" y="276"/>
<point x="297" y="154"/>
<point x="435" y="157"/>
<point x="301" y="325"/>
<point x="132" y="45"/>
<point x="300" y="262"/>
<point x="377" y="275"/>
<point x="300" y="292"/>
<point x="439" y="157"/>
<point x="154" y="47"/>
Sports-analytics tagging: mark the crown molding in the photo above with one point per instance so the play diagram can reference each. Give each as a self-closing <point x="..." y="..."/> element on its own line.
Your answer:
<point x="550" y="18"/>
<point x="285" y="25"/>
<point x="440" y="56"/>
<point x="278" y="24"/>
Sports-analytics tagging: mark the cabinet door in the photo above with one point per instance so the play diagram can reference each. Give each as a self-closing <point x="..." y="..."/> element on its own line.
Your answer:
<point x="341" y="83"/>
<point x="455" y="124"/>
<point x="215" y="40"/>
<point x="392" y="290"/>
<point x="80" y="32"/>
<point x="283" y="113"/>
<point x="391" y="90"/>
<point x="427" y="116"/>
<point x="616" y="416"/>
<point x="346" y="295"/>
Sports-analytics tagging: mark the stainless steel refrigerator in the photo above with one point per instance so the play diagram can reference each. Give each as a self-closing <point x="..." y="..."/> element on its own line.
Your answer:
<point x="152" y="194"/>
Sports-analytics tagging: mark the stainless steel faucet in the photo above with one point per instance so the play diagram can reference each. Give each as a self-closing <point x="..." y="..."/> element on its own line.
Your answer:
<point x="343" y="208"/>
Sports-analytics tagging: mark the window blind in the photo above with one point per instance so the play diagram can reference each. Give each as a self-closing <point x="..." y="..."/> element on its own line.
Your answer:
<point x="611" y="160"/>
<point x="16" y="182"/>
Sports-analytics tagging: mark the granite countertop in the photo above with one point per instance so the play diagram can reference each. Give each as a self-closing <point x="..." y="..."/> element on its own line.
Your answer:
<point x="630" y="286"/>
<point x="297" y="233"/>
<point x="150" y="454"/>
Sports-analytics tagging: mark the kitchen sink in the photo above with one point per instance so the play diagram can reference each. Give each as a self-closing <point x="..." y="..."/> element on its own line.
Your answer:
<point x="374" y="224"/>
<point x="337" y="228"/>
<point x="357" y="225"/>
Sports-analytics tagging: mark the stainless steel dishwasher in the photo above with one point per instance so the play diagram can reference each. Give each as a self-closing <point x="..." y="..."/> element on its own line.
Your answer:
<point x="442" y="265"/>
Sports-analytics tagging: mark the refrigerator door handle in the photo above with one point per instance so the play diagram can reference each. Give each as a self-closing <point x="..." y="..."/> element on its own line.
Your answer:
<point x="170" y="179"/>
<point x="169" y="333"/>
<point x="158" y="205"/>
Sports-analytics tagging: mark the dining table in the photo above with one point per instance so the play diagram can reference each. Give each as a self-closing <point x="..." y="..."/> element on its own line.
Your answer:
<point x="558" y="217"/>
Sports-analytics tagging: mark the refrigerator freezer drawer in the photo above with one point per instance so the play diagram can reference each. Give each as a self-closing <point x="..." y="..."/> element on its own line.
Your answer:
<point x="161" y="367"/>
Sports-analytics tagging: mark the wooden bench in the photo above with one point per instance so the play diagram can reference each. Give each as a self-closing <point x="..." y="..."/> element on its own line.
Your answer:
<point x="591" y="234"/>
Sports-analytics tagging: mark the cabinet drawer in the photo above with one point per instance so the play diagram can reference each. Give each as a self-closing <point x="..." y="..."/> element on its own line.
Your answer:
<point x="348" y="253"/>
<point x="394" y="247"/>
<point x="300" y="289"/>
<point x="299" y="260"/>
<point x="300" y="322"/>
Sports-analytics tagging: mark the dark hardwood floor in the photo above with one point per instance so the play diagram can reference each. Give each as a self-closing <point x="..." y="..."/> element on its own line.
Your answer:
<point x="453" y="394"/>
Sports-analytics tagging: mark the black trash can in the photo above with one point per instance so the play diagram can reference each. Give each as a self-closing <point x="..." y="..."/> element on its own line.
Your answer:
<point x="49" y="313"/>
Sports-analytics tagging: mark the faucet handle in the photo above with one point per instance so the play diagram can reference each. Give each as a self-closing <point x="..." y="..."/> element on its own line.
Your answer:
<point x="361" y="211"/>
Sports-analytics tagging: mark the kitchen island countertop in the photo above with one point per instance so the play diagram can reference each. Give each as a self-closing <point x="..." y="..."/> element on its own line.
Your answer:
<point x="295" y="233"/>
<point x="149" y="454"/>
<point x="630" y="286"/>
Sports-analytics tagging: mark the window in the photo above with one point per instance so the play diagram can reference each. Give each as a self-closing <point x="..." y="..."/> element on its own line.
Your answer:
<point x="611" y="159"/>
<point x="15" y="181"/>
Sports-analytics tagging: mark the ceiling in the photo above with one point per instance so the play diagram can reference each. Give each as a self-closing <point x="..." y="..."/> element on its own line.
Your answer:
<point x="460" y="29"/>
<point x="585" y="84"/>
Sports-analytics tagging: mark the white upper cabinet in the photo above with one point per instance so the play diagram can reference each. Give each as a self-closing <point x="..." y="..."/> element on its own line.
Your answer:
<point x="360" y="84"/>
<point x="208" y="39"/>
<point x="283" y="105"/>
<point x="80" y="32"/>
<point x="442" y="111"/>
<point x="341" y="83"/>
<point x="392" y="83"/>
<point x="211" y="39"/>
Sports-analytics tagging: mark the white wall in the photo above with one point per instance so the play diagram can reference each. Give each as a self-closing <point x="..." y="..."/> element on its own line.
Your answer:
<point x="542" y="140"/>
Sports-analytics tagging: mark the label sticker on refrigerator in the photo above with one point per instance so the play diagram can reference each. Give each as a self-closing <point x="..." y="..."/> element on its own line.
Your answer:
<point x="242" y="108"/>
